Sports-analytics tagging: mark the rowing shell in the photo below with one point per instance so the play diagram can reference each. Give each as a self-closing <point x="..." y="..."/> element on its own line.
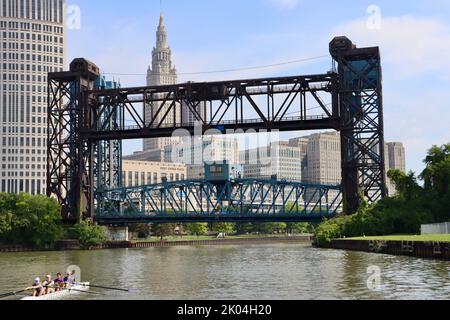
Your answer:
<point x="76" y="289"/>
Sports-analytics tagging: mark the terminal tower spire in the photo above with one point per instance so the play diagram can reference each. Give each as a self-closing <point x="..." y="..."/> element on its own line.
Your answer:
<point x="161" y="72"/>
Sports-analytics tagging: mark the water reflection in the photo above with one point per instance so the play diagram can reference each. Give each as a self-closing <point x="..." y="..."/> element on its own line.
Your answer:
<point x="275" y="271"/>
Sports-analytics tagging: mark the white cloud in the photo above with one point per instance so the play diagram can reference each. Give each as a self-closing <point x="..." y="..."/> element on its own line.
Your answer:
<point x="283" y="4"/>
<point x="412" y="45"/>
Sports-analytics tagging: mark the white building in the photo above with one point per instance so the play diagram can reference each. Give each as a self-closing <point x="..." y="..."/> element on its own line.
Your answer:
<point x="32" y="37"/>
<point x="140" y="173"/>
<point x="281" y="159"/>
<point x="324" y="159"/>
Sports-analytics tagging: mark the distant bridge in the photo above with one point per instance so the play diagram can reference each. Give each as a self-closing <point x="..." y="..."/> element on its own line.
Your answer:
<point x="236" y="200"/>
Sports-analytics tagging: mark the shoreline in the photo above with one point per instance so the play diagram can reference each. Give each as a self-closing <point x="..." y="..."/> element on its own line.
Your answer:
<point x="418" y="249"/>
<point x="165" y="244"/>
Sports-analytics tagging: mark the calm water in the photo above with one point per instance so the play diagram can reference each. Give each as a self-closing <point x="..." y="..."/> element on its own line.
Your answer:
<point x="236" y="272"/>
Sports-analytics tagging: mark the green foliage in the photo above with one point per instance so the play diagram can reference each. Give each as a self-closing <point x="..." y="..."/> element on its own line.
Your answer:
<point x="244" y="228"/>
<point x="329" y="230"/>
<point x="197" y="229"/>
<point x="89" y="235"/>
<point x="223" y="227"/>
<point x="29" y="220"/>
<point x="404" y="214"/>
<point x="299" y="228"/>
<point x="270" y="227"/>
<point x="142" y="230"/>
<point x="163" y="230"/>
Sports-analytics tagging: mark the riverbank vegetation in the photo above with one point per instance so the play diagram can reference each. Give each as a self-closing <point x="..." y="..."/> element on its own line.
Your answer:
<point x="414" y="205"/>
<point x="35" y="222"/>
<point x="29" y="220"/>
<point x="88" y="235"/>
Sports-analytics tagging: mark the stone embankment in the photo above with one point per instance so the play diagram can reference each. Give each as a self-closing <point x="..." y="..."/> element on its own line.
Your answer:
<point x="419" y="249"/>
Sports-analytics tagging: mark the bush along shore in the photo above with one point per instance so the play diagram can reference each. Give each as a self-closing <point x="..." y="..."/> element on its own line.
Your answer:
<point x="34" y="223"/>
<point x="414" y="205"/>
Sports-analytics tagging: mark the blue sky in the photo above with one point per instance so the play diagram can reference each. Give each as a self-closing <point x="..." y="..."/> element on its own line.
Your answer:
<point x="215" y="34"/>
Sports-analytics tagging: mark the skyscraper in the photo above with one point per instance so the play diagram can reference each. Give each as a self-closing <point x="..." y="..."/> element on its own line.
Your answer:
<point x="324" y="159"/>
<point x="161" y="72"/>
<point x="395" y="159"/>
<point x="32" y="34"/>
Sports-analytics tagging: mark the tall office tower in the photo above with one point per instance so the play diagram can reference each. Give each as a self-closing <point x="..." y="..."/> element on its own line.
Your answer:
<point x="161" y="73"/>
<point x="32" y="34"/>
<point x="324" y="159"/>
<point x="395" y="159"/>
<point x="397" y="156"/>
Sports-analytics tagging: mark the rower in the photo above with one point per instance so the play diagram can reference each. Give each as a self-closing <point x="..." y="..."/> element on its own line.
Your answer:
<point x="58" y="282"/>
<point x="48" y="284"/>
<point x="38" y="289"/>
<point x="72" y="278"/>
<point x="67" y="280"/>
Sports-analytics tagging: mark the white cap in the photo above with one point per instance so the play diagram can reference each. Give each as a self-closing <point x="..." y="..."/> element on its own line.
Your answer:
<point x="37" y="280"/>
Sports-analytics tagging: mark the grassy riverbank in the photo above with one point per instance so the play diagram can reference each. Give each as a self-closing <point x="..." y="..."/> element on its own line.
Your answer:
<point x="416" y="238"/>
<point x="209" y="238"/>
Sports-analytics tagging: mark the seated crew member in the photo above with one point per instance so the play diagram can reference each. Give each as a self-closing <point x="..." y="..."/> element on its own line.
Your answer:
<point x="58" y="282"/>
<point x="38" y="289"/>
<point x="48" y="285"/>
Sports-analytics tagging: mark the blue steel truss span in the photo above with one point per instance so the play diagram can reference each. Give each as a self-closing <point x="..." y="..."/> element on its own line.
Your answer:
<point x="205" y="201"/>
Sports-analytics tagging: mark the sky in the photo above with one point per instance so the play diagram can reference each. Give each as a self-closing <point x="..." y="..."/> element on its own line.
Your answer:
<point x="205" y="35"/>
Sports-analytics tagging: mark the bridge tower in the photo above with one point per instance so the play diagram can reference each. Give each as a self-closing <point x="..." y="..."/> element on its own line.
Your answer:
<point x="70" y="168"/>
<point x="361" y="122"/>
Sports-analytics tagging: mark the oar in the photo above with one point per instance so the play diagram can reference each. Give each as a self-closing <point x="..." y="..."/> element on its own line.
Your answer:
<point x="9" y="294"/>
<point x="76" y="290"/>
<point x="102" y="287"/>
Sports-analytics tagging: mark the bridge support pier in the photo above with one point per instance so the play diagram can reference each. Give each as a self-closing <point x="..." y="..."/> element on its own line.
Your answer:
<point x="117" y="233"/>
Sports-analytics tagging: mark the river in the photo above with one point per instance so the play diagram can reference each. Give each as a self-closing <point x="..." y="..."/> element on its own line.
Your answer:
<point x="274" y="272"/>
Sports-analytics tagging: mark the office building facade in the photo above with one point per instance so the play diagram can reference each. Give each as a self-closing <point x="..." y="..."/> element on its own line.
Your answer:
<point x="32" y="34"/>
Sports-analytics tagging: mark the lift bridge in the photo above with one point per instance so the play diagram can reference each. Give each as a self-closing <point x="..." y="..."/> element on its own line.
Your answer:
<point x="87" y="123"/>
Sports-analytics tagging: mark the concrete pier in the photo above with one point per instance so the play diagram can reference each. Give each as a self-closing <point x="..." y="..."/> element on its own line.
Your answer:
<point x="118" y="234"/>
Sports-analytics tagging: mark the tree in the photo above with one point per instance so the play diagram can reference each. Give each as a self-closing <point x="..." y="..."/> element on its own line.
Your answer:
<point x="244" y="227"/>
<point x="143" y="230"/>
<point x="197" y="229"/>
<point x="437" y="172"/>
<point x="89" y="235"/>
<point x="298" y="228"/>
<point x="406" y="184"/>
<point x="29" y="220"/>
<point x="223" y="227"/>
<point x="163" y="230"/>
<point x="270" y="227"/>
